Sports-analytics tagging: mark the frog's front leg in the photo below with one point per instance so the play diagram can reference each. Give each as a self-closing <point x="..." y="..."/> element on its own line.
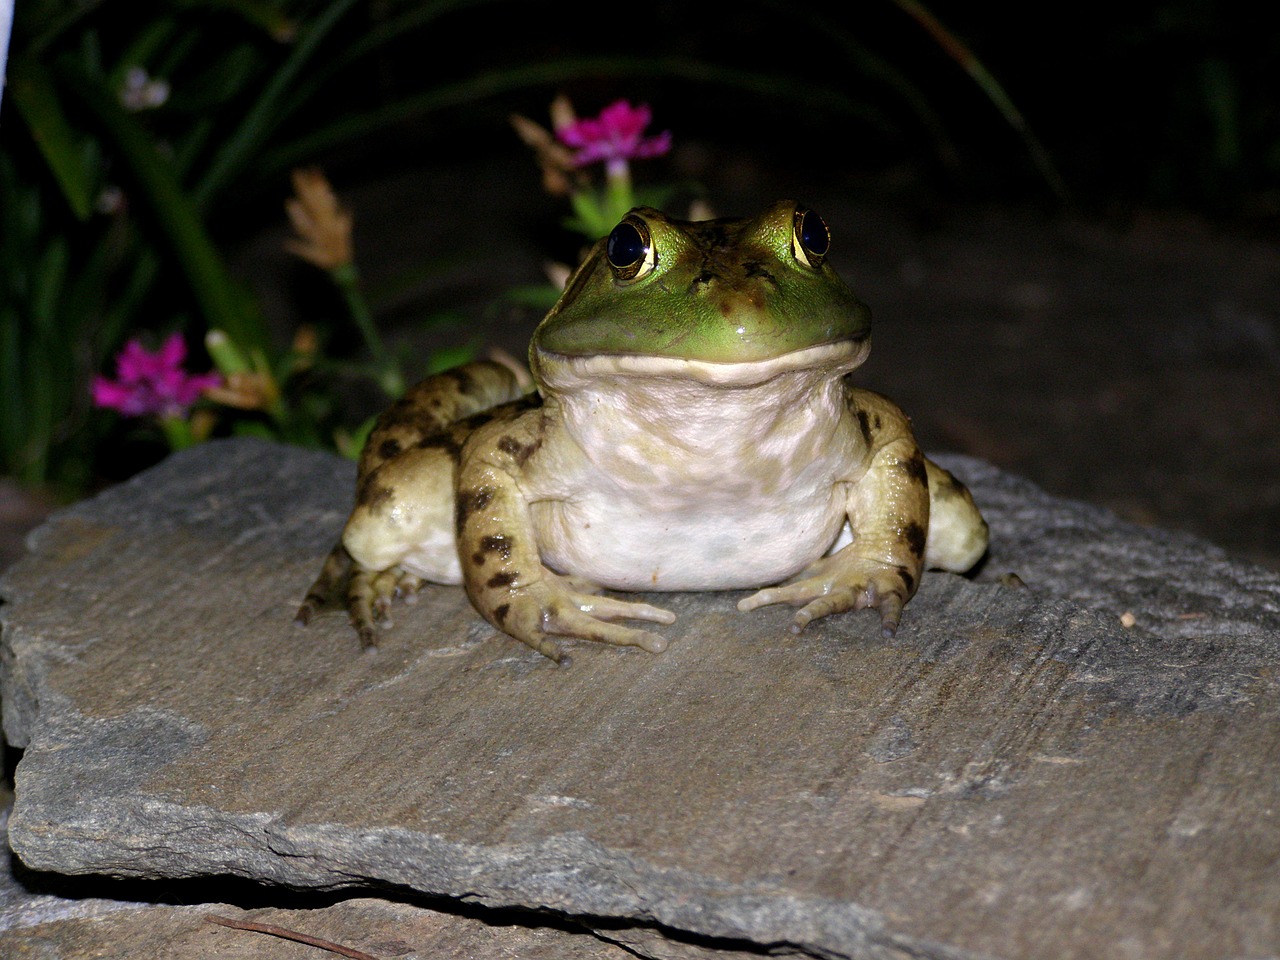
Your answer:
<point x="502" y="570"/>
<point x="888" y="511"/>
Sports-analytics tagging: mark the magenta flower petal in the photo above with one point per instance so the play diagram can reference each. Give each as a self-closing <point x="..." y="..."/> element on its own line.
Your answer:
<point x="172" y="352"/>
<point x="113" y="396"/>
<point x="615" y="135"/>
<point x="152" y="383"/>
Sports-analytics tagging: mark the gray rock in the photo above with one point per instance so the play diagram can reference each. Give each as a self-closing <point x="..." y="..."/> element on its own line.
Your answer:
<point x="1016" y="774"/>
<point x="88" y="918"/>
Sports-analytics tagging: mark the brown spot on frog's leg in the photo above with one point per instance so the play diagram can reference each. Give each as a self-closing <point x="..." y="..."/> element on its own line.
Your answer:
<point x="461" y="378"/>
<point x="914" y="536"/>
<point x="908" y="580"/>
<point x="372" y="495"/>
<point x="442" y="441"/>
<point x="500" y="614"/>
<point x="913" y="467"/>
<point x="389" y="448"/>
<point x="469" y="502"/>
<point x="943" y="485"/>
<point x="864" y="425"/>
<point x="517" y="451"/>
<point x="476" y="421"/>
<point x="506" y="578"/>
<point x="499" y="544"/>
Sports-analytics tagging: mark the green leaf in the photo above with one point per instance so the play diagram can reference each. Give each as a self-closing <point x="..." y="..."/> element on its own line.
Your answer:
<point x="265" y="113"/>
<point x="32" y="89"/>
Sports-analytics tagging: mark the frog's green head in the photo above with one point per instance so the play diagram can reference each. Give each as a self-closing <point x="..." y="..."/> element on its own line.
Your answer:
<point x="714" y="292"/>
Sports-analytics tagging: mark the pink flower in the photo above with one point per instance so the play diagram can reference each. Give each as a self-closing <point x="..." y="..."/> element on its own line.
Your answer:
<point x="614" y="137"/>
<point x="152" y="383"/>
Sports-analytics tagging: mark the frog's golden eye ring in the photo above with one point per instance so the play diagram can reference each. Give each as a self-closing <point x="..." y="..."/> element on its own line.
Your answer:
<point x="810" y="238"/>
<point x="630" y="250"/>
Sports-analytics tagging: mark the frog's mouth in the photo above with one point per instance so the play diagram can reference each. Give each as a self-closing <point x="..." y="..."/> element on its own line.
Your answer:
<point x="563" y="371"/>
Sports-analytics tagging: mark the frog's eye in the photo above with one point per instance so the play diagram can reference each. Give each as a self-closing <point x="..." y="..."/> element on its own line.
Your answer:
<point x="630" y="250"/>
<point x="810" y="238"/>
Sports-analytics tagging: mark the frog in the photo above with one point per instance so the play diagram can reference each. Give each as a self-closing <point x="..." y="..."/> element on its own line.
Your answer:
<point x="688" y="423"/>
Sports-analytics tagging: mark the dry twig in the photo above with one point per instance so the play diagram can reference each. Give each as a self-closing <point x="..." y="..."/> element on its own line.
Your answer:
<point x="285" y="934"/>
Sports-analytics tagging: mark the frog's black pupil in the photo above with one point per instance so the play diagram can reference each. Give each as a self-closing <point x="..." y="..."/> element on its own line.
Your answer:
<point x="626" y="247"/>
<point x="813" y="234"/>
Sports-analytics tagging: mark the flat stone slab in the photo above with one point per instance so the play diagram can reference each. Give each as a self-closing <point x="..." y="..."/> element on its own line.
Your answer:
<point x="53" y="917"/>
<point x="1016" y="774"/>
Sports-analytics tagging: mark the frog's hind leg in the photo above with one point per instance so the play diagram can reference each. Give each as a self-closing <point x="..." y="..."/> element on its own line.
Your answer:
<point x="400" y="532"/>
<point x="958" y="534"/>
<point x="334" y="571"/>
<point x="434" y="405"/>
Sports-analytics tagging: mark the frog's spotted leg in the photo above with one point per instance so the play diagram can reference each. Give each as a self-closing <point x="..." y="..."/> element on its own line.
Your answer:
<point x="502" y="570"/>
<point x="958" y="535"/>
<point x="435" y="404"/>
<point x="889" y="510"/>
<point x="412" y="452"/>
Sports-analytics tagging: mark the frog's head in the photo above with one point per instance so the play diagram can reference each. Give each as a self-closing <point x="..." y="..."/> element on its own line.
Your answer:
<point x="725" y="301"/>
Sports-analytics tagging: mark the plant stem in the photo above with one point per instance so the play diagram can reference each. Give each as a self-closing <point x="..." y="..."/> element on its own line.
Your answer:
<point x="347" y="278"/>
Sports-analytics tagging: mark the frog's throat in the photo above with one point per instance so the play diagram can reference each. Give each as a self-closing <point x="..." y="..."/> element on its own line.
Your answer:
<point x="562" y="372"/>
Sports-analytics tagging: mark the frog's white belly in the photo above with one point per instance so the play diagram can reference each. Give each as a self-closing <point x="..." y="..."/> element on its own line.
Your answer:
<point x="676" y="541"/>
<point x="729" y="477"/>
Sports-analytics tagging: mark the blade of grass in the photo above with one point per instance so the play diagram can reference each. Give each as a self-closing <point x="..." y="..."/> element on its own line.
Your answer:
<point x="33" y="91"/>
<point x="496" y="82"/>
<point x="959" y="51"/>
<point x="374" y="39"/>
<point x="264" y="114"/>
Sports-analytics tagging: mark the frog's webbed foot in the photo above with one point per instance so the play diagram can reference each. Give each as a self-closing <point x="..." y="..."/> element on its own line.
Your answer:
<point x="840" y="582"/>
<point x="572" y="607"/>
<point x="369" y="597"/>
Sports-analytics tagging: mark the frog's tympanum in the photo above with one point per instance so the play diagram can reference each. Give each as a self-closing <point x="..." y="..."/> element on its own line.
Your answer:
<point x="693" y="428"/>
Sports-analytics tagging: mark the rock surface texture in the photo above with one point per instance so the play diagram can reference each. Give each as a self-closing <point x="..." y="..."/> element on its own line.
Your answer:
<point x="1018" y="774"/>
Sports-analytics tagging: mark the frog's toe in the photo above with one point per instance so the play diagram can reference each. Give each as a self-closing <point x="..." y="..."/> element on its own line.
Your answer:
<point x="830" y="591"/>
<point x="547" y="647"/>
<point x="369" y="596"/>
<point x="890" y="614"/>
<point x="583" y="618"/>
<point x="838" y="601"/>
<point x="590" y="624"/>
<point x="408" y="586"/>
<point x="584" y="627"/>
<point x="792" y="593"/>
<point x="609" y="608"/>
<point x="384" y="591"/>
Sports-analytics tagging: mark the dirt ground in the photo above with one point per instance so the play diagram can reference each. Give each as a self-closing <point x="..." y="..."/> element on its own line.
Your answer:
<point x="1131" y="362"/>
